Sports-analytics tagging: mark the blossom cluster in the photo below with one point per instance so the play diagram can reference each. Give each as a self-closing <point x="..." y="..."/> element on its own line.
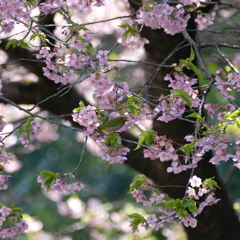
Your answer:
<point x="3" y="178"/>
<point x="131" y="37"/>
<point x="51" y="6"/>
<point x="174" y="105"/>
<point x="102" y="57"/>
<point x="171" y="214"/>
<point x="4" y="156"/>
<point x="61" y="70"/>
<point x="111" y="148"/>
<point x="201" y="188"/>
<point x="11" y="11"/>
<point x="205" y="20"/>
<point x="29" y="132"/>
<point x="226" y="84"/>
<point x="171" y="19"/>
<point x="163" y="149"/>
<point x="61" y="186"/>
<point x="213" y="108"/>
<point x="86" y="117"/>
<point x="11" y="223"/>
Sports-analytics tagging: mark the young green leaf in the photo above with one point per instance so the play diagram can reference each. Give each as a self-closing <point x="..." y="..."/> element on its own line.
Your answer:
<point x="146" y="138"/>
<point x="195" y="115"/>
<point x="48" y="181"/>
<point x="45" y="174"/>
<point x="136" y="219"/>
<point x="185" y="97"/>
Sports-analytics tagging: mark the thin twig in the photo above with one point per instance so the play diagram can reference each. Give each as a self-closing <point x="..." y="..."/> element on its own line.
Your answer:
<point x="38" y="116"/>
<point x="81" y="158"/>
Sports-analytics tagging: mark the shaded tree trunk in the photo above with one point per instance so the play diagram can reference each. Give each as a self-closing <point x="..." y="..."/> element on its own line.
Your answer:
<point x="218" y="222"/>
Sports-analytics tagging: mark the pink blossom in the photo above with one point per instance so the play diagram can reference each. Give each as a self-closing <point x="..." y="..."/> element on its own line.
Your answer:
<point x="152" y="219"/>
<point x="5" y="211"/>
<point x="29" y="146"/>
<point x="24" y="140"/>
<point x="79" y="45"/>
<point x="216" y="160"/>
<point x="102" y="56"/>
<point x="202" y="191"/>
<point x="22" y="225"/>
<point x="164" y="156"/>
<point x="138" y="195"/>
<point x="150" y="153"/>
<point x="189" y="138"/>
<point x="195" y="181"/>
<point x="205" y="20"/>
<point x="192" y="192"/>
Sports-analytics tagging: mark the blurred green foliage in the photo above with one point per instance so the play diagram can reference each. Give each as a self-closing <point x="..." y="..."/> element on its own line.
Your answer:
<point x="107" y="183"/>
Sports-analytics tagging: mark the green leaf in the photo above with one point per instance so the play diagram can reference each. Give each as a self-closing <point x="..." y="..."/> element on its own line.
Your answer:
<point x="171" y="203"/>
<point x="28" y="122"/>
<point x="81" y="104"/>
<point x="167" y="199"/>
<point x="81" y="39"/>
<point x="188" y="63"/>
<point x="136" y="185"/>
<point x="146" y="138"/>
<point x="82" y="27"/>
<point x="23" y="44"/>
<point x="141" y="176"/>
<point x="192" y="55"/>
<point x="112" y="139"/>
<point x="90" y="48"/>
<point x="20" y="131"/>
<point x="140" y="179"/>
<point x="42" y="36"/>
<point x="197" y="71"/>
<point x="17" y="209"/>
<point x="134" y="109"/>
<point x="188" y="148"/>
<point x="125" y="25"/>
<point x="210" y="183"/>
<point x="129" y="32"/>
<point x="48" y="181"/>
<point x="234" y="115"/>
<point x="191" y="205"/>
<point x="135" y="215"/>
<point x="45" y="174"/>
<point x="183" y="95"/>
<point x="195" y="115"/>
<point x="137" y="219"/>
<point x="31" y="3"/>
<point x="140" y="141"/>
<point x="181" y="211"/>
<point x="12" y="42"/>
<point x="33" y="36"/>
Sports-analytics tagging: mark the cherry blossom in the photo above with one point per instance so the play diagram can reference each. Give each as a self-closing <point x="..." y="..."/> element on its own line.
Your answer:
<point x="195" y="181"/>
